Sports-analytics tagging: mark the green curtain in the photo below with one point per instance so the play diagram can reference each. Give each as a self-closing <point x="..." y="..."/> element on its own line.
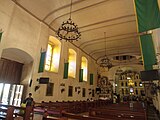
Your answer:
<point x="81" y="75"/>
<point x="148" y="14"/>
<point x="65" y="75"/>
<point x="91" y="79"/>
<point x="1" y="35"/>
<point x="148" y="51"/>
<point x="42" y="62"/>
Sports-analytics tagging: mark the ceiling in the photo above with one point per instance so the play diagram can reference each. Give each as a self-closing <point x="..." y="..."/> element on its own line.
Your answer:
<point x="93" y="17"/>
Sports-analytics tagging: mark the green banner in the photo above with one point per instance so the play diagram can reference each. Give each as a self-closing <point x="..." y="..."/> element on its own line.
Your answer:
<point x="148" y="51"/>
<point x="81" y="75"/>
<point x="91" y="79"/>
<point x="1" y="35"/>
<point x="148" y="15"/>
<point x="65" y="75"/>
<point x="42" y="62"/>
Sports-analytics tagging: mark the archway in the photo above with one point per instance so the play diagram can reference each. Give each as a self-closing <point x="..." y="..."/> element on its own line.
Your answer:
<point x="16" y="68"/>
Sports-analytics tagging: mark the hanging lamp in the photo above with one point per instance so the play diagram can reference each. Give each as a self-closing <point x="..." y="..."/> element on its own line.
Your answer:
<point x="105" y="61"/>
<point x="68" y="30"/>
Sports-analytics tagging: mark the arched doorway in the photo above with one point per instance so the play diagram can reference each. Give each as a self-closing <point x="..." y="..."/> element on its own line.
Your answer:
<point x="15" y="70"/>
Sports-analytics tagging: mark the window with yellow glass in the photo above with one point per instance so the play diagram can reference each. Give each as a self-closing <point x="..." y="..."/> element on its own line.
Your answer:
<point x="53" y="55"/>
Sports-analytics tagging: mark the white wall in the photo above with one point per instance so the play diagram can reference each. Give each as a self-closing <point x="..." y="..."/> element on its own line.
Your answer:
<point x="25" y="33"/>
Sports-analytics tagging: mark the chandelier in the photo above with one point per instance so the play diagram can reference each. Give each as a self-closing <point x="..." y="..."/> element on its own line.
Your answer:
<point x="105" y="61"/>
<point x="119" y="71"/>
<point x="69" y="30"/>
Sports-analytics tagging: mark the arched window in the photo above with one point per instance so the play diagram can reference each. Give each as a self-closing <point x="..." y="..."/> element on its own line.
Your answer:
<point x="137" y="76"/>
<point x="53" y="55"/>
<point x="84" y="67"/>
<point x="126" y="91"/>
<point x="72" y="63"/>
<point x="122" y="84"/>
<point x="126" y="84"/>
<point x="136" y="92"/>
<point x="123" y="77"/>
<point x="122" y="91"/>
<point x="135" y="83"/>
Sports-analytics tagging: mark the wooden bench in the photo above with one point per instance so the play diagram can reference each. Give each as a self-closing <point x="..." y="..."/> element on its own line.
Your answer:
<point x="81" y="117"/>
<point x="66" y="116"/>
<point x="71" y="107"/>
<point x="118" y="114"/>
<point x="9" y="112"/>
<point x="27" y="113"/>
<point x="6" y="113"/>
<point x="125" y="107"/>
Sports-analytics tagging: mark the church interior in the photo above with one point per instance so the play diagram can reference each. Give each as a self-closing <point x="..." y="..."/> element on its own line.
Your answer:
<point x="80" y="59"/>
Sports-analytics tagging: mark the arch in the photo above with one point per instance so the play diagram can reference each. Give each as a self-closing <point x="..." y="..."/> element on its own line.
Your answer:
<point x="23" y="57"/>
<point x="72" y="63"/>
<point x="17" y="55"/>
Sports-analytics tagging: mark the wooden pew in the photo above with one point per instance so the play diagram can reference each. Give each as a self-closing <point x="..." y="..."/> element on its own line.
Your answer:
<point x="52" y="109"/>
<point x="6" y="113"/>
<point x="15" y="111"/>
<point x="125" y="107"/>
<point x="81" y="117"/>
<point x="27" y="113"/>
<point x="66" y="116"/>
<point x="70" y="107"/>
<point x="117" y="114"/>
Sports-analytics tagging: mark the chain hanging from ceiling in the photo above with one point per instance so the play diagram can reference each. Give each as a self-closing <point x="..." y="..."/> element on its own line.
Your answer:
<point x="105" y="61"/>
<point x="119" y="70"/>
<point x="69" y="31"/>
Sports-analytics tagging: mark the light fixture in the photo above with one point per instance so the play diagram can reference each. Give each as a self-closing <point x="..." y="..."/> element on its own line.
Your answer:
<point x="130" y="82"/>
<point x="140" y="84"/>
<point x="128" y="78"/>
<point x="69" y="30"/>
<point x="105" y="61"/>
<point x="119" y="71"/>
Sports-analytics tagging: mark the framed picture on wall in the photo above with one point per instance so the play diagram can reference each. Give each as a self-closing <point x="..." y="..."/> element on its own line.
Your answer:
<point x="49" y="89"/>
<point x="70" y="91"/>
<point x="83" y="92"/>
<point x="92" y="93"/>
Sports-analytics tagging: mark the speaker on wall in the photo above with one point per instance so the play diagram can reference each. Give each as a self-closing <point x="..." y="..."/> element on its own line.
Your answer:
<point x="98" y="90"/>
<point x="150" y="75"/>
<point x="44" y="80"/>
